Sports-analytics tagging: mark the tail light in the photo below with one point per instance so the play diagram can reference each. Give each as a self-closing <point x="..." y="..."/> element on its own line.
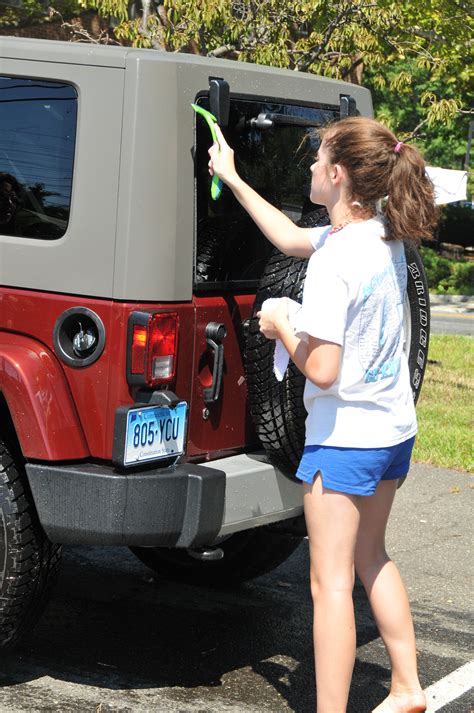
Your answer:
<point x="152" y="347"/>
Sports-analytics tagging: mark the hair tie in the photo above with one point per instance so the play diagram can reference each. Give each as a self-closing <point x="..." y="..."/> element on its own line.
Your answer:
<point x="398" y="146"/>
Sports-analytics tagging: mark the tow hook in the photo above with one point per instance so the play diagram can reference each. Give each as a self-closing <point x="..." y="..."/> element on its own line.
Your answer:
<point x="206" y="554"/>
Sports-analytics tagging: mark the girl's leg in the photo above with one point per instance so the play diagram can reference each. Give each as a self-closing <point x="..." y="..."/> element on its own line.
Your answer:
<point x="389" y="601"/>
<point x="332" y="520"/>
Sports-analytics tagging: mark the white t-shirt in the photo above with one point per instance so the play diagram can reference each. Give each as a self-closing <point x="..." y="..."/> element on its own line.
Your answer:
<point x="353" y="295"/>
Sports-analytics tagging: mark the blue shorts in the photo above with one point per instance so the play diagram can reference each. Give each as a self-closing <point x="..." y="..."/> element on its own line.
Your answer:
<point x="356" y="471"/>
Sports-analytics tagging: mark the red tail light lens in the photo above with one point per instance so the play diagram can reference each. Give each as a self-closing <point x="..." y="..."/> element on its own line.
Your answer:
<point x="161" y="362"/>
<point x="152" y="347"/>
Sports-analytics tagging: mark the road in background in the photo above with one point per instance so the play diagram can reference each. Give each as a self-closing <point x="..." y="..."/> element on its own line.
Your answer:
<point x="452" y="314"/>
<point x="117" y="638"/>
<point x="451" y="323"/>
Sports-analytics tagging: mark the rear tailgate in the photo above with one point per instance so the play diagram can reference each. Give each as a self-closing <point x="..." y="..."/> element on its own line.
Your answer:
<point x="231" y="253"/>
<point x="222" y="423"/>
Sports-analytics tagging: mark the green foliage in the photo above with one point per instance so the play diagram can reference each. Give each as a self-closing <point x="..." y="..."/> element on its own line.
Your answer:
<point x="448" y="277"/>
<point x="437" y="268"/>
<point x="444" y="410"/>
<point x="416" y="57"/>
<point x="116" y="8"/>
<point x="442" y="142"/>
<point x="33" y="11"/>
<point x="13" y="16"/>
<point x="403" y="109"/>
<point x="131" y="31"/>
<point x="336" y="37"/>
<point x="460" y="281"/>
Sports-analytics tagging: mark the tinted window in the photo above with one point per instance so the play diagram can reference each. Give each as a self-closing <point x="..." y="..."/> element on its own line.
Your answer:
<point x="274" y="147"/>
<point x="37" y="136"/>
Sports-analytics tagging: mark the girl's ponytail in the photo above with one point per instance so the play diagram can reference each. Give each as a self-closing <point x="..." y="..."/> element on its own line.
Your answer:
<point x="410" y="208"/>
<point x="381" y="168"/>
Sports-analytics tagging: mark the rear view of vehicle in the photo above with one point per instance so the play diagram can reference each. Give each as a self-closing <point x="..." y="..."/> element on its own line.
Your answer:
<point x="127" y="336"/>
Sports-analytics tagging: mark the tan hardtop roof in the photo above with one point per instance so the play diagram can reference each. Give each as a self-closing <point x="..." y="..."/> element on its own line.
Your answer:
<point x="113" y="56"/>
<point x="131" y="233"/>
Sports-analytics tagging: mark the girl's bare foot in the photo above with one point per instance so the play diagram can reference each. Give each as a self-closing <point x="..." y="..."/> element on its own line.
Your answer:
<point x="403" y="703"/>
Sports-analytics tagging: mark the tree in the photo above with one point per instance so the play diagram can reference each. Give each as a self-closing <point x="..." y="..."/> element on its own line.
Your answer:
<point x="412" y="54"/>
<point x="443" y="142"/>
<point x="19" y="12"/>
<point x="336" y="38"/>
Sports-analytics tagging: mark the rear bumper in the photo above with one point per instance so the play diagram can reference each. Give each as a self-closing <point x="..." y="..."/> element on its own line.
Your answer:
<point x="257" y="493"/>
<point x="182" y="506"/>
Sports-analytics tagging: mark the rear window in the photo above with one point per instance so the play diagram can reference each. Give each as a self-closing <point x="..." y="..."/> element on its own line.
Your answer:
<point x="274" y="147"/>
<point x="37" y="138"/>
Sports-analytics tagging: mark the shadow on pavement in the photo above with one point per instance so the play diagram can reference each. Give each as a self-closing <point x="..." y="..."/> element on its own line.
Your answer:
<point x="114" y="625"/>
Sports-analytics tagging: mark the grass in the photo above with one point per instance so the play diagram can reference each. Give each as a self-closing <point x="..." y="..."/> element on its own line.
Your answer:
<point x="444" y="410"/>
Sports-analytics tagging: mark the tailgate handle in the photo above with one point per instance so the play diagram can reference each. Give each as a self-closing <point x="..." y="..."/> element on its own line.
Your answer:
<point x="215" y="334"/>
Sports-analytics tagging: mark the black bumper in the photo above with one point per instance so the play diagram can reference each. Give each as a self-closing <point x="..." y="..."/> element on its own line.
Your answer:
<point x="89" y="504"/>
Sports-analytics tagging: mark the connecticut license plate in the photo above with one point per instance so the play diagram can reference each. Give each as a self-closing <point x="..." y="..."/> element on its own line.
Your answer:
<point x="155" y="432"/>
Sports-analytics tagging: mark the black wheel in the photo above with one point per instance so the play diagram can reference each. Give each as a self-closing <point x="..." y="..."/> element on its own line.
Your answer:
<point x="28" y="561"/>
<point x="210" y="256"/>
<point x="224" y="249"/>
<point x="277" y="407"/>
<point x="247" y="555"/>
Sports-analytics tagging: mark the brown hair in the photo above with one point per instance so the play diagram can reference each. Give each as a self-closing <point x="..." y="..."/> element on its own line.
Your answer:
<point x="366" y="149"/>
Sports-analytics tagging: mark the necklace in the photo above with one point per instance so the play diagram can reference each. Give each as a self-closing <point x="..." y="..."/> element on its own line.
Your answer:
<point x="339" y="227"/>
<point x="342" y="225"/>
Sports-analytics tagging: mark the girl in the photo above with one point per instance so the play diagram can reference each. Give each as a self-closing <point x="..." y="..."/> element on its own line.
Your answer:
<point x="361" y="422"/>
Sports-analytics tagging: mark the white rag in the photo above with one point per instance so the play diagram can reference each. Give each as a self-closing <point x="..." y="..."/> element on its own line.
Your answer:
<point x="281" y="356"/>
<point x="450" y="185"/>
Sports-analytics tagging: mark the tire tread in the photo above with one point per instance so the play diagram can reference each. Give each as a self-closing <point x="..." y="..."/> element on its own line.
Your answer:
<point x="29" y="562"/>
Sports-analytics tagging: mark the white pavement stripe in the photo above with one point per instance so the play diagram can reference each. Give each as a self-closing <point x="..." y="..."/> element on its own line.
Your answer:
<point x="450" y="687"/>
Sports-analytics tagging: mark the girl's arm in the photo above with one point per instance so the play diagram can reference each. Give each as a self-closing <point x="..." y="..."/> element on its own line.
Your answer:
<point x="317" y="359"/>
<point x="280" y="230"/>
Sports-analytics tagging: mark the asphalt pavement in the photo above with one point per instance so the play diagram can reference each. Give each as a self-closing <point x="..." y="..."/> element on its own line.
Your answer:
<point x="452" y="314"/>
<point x="115" y="637"/>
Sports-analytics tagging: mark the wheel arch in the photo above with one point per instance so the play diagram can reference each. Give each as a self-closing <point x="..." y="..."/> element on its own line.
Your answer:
<point x="36" y="405"/>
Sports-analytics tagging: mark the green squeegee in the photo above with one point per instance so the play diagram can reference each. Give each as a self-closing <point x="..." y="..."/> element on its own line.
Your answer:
<point x="216" y="185"/>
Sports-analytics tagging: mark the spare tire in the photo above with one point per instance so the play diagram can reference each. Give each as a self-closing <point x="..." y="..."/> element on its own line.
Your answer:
<point x="277" y="408"/>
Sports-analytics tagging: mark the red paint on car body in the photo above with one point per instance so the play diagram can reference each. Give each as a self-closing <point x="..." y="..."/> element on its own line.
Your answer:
<point x="76" y="418"/>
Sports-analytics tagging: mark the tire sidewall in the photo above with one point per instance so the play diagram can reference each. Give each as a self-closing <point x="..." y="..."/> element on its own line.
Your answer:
<point x="418" y="298"/>
<point x="7" y="514"/>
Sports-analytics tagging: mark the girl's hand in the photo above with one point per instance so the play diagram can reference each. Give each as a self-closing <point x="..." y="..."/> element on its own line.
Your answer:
<point x="272" y="321"/>
<point x="222" y="159"/>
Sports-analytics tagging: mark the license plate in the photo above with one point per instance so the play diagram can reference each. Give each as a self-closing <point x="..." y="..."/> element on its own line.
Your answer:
<point x="155" y="432"/>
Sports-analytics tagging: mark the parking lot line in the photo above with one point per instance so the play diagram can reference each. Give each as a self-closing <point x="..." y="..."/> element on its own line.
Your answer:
<point x="453" y="315"/>
<point x="450" y="687"/>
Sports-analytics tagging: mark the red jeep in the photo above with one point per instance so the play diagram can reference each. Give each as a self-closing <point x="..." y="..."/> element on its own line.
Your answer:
<point x="137" y="400"/>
